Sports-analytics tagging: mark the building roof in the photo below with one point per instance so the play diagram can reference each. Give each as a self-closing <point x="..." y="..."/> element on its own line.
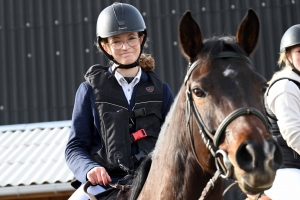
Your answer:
<point x="32" y="156"/>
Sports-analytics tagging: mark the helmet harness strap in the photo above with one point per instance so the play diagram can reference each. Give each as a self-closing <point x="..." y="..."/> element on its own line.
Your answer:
<point x="294" y="69"/>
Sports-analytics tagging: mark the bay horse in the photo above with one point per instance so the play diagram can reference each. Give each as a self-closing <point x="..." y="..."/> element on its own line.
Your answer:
<point x="216" y="128"/>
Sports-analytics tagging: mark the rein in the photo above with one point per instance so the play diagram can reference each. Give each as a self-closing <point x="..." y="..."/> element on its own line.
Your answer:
<point x="224" y="169"/>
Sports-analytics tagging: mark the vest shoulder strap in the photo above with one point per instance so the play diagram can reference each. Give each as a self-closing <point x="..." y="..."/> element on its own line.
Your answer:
<point x="94" y="69"/>
<point x="296" y="82"/>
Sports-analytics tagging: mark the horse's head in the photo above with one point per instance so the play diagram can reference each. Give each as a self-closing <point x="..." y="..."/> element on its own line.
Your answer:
<point x="225" y="93"/>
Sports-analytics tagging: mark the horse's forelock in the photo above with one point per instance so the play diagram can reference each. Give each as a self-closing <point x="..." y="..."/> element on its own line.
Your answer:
<point x="215" y="45"/>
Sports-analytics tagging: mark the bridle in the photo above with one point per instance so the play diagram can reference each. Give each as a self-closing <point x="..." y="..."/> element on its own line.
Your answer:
<point x="212" y="141"/>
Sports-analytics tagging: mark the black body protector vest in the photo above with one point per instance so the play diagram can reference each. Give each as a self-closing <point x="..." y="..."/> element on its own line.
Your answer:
<point x="291" y="159"/>
<point x="118" y="122"/>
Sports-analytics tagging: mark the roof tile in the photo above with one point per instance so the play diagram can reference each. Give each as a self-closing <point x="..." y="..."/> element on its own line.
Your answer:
<point x="34" y="154"/>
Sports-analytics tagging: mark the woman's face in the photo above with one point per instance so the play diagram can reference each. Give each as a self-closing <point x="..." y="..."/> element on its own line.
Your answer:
<point x="295" y="56"/>
<point x="125" y="48"/>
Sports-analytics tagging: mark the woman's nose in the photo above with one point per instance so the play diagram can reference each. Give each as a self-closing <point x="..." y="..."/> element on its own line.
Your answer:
<point x="125" y="45"/>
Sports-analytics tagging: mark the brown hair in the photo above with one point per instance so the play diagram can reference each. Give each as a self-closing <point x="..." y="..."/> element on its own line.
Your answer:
<point x="147" y="62"/>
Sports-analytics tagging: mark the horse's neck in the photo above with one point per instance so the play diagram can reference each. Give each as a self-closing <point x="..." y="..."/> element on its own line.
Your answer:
<point x="175" y="172"/>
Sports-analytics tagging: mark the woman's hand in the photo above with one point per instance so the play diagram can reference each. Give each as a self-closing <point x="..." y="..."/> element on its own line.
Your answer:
<point x="98" y="175"/>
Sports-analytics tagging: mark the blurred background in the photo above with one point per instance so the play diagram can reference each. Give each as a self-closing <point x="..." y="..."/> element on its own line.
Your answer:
<point x="46" y="46"/>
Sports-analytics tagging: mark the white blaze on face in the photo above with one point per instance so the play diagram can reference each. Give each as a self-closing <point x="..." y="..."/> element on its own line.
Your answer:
<point x="269" y="150"/>
<point x="229" y="72"/>
<point x="260" y="131"/>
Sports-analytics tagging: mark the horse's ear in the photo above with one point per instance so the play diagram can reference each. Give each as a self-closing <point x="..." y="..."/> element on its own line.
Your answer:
<point x="248" y="32"/>
<point x="190" y="36"/>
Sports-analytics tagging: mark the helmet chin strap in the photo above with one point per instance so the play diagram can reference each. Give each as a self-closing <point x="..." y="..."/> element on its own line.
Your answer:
<point x="132" y="65"/>
<point x="294" y="69"/>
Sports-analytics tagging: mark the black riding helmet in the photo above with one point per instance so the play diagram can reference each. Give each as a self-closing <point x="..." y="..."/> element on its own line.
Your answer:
<point x="290" y="38"/>
<point x="120" y="18"/>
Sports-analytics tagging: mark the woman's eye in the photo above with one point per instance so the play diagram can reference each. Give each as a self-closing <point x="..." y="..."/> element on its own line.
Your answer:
<point x="198" y="92"/>
<point x="115" y="42"/>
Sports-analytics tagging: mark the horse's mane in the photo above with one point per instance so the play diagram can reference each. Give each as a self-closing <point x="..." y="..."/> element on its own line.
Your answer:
<point x="140" y="178"/>
<point x="211" y="47"/>
<point x="144" y="168"/>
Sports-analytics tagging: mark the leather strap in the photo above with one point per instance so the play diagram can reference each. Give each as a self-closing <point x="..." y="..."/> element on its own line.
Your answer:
<point x="85" y="187"/>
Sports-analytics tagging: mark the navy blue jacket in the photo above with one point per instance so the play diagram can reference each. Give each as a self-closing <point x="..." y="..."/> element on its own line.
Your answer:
<point x="85" y="128"/>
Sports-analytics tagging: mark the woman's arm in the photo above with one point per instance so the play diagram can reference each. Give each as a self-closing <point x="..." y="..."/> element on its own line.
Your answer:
<point x="77" y="152"/>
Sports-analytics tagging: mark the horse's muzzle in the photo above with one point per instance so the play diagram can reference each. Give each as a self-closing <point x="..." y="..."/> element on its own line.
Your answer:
<point x="260" y="163"/>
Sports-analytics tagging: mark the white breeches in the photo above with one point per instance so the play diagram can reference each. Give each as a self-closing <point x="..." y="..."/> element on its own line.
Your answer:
<point x="79" y="194"/>
<point x="286" y="185"/>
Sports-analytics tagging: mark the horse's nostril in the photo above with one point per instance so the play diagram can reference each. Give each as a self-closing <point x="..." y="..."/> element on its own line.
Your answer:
<point x="245" y="157"/>
<point x="249" y="153"/>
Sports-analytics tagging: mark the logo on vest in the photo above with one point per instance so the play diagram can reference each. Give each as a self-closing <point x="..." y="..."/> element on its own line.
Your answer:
<point x="150" y="89"/>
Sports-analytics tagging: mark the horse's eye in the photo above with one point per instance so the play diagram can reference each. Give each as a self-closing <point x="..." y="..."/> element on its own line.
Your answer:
<point x="264" y="88"/>
<point x="198" y="92"/>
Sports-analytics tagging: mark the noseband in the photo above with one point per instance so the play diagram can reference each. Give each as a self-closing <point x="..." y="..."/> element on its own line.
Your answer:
<point x="224" y="169"/>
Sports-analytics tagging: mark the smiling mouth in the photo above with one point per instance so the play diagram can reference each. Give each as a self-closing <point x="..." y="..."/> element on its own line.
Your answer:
<point x="126" y="53"/>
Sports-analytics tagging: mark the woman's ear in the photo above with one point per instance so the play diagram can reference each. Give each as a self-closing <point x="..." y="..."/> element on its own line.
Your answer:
<point x="142" y="38"/>
<point x="106" y="48"/>
<point x="288" y="55"/>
